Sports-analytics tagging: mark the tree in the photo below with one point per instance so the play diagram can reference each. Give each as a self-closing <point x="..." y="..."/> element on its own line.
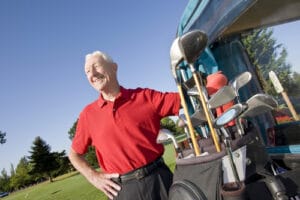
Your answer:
<point x="4" y="181"/>
<point x="2" y="137"/>
<point x="42" y="160"/>
<point x="12" y="170"/>
<point x="72" y="130"/>
<point x="296" y="85"/>
<point x="64" y="163"/>
<point x="21" y="178"/>
<point x="267" y="55"/>
<point x="168" y="123"/>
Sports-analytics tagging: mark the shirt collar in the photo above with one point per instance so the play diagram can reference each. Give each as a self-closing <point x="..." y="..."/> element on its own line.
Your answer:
<point x="124" y="94"/>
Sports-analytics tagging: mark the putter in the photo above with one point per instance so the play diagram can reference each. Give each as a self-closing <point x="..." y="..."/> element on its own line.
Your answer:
<point x="176" y="59"/>
<point x="191" y="46"/>
<point x="165" y="135"/>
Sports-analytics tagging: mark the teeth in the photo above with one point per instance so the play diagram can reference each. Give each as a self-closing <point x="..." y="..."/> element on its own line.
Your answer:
<point x="101" y="76"/>
<point x="97" y="79"/>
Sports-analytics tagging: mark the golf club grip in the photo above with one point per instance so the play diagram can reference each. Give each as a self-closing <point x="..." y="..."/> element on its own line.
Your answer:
<point x="189" y="122"/>
<point x="205" y="109"/>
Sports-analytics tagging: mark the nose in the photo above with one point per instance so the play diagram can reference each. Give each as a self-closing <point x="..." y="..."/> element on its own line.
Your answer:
<point x="93" y="72"/>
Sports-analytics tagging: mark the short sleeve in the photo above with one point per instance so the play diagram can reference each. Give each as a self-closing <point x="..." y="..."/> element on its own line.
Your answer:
<point x="82" y="139"/>
<point x="165" y="103"/>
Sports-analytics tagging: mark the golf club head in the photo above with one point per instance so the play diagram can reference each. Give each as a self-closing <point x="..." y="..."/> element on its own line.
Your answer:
<point x="222" y="96"/>
<point x="259" y="104"/>
<point x="175" y="56"/>
<point x="240" y="81"/>
<point x="229" y="115"/>
<point x="181" y="121"/>
<point x="192" y="45"/>
<point x="193" y="91"/>
<point x="165" y="135"/>
<point x="197" y="118"/>
<point x="162" y="136"/>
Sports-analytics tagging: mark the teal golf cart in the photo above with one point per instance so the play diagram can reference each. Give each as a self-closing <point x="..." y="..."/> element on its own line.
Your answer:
<point x="244" y="160"/>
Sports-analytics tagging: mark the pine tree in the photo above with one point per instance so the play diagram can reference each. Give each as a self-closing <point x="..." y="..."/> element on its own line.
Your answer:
<point x="266" y="55"/>
<point x="4" y="181"/>
<point x="21" y="177"/>
<point x="42" y="160"/>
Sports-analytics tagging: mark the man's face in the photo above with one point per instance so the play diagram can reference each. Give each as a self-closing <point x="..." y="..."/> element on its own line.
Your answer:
<point x="100" y="73"/>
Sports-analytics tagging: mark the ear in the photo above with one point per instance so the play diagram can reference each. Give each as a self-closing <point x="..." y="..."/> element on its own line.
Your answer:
<point x="114" y="67"/>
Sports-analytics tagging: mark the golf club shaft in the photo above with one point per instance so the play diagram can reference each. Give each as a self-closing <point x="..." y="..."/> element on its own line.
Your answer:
<point x="239" y="126"/>
<point x="229" y="153"/>
<point x="227" y="144"/>
<point x="188" y="137"/>
<point x="205" y="109"/>
<point x="189" y="122"/>
<point x="184" y="78"/>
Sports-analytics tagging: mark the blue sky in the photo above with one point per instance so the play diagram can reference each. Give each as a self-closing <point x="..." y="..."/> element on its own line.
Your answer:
<point x="42" y="48"/>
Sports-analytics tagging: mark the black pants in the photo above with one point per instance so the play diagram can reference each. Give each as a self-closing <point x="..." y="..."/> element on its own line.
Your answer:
<point x="152" y="187"/>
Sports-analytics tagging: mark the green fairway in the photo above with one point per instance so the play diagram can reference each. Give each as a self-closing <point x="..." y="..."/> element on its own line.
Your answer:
<point x="73" y="186"/>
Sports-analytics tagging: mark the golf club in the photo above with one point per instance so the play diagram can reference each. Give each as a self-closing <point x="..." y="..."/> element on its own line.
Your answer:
<point x="237" y="83"/>
<point x="192" y="45"/>
<point x="182" y="123"/>
<point x="197" y="119"/>
<point x="192" y="100"/>
<point x="221" y="97"/>
<point x="259" y="104"/>
<point x="176" y="58"/>
<point x="165" y="135"/>
<point x="219" y="123"/>
<point x="240" y="81"/>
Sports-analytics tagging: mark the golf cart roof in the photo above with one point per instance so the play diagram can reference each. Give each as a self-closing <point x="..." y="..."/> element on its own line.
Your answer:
<point x="224" y="18"/>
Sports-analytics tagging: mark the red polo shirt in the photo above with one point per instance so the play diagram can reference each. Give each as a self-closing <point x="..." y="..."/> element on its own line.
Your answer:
<point x="124" y="132"/>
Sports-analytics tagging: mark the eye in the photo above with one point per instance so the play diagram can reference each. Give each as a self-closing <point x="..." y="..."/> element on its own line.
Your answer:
<point x="97" y="66"/>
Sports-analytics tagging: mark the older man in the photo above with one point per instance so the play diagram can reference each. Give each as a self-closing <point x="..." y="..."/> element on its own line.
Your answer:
<point x="122" y="125"/>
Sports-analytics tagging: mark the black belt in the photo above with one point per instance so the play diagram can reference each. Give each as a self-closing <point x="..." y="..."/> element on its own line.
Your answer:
<point x="140" y="172"/>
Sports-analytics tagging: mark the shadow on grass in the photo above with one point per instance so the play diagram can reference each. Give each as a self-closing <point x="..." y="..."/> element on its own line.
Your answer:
<point x="57" y="191"/>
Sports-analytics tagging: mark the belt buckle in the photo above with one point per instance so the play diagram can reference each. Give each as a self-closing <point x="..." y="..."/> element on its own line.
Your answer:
<point x="139" y="174"/>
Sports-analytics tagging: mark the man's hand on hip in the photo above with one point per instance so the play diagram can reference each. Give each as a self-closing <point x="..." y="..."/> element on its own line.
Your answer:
<point x="103" y="182"/>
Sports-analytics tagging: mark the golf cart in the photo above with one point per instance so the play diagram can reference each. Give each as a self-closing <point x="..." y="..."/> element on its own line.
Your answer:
<point x="247" y="165"/>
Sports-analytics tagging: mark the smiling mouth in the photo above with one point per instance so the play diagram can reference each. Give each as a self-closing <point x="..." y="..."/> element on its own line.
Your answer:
<point x="100" y="77"/>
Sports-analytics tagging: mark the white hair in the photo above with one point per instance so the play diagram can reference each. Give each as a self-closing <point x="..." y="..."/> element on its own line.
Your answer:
<point x="103" y="55"/>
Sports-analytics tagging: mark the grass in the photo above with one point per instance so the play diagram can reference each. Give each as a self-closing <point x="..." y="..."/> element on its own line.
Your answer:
<point x="73" y="186"/>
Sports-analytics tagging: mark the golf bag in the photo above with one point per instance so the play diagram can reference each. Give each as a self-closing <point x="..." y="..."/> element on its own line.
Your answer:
<point x="206" y="178"/>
